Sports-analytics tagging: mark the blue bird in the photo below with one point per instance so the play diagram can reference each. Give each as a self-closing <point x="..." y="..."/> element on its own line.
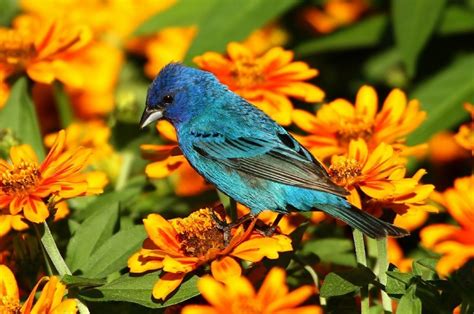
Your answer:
<point x="246" y="154"/>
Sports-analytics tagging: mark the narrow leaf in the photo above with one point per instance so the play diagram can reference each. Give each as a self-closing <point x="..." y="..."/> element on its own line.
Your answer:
<point x="457" y="19"/>
<point x="413" y="22"/>
<point x="63" y="104"/>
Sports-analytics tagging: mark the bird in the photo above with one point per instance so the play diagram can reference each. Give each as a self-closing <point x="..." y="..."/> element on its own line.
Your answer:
<point x="245" y="154"/>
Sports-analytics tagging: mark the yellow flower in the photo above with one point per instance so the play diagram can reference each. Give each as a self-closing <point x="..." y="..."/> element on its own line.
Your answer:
<point x="239" y="296"/>
<point x="339" y="122"/>
<point x="25" y="184"/>
<point x="51" y="299"/>
<point x="265" y="38"/>
<point x="181" y="245"/>
<point x="362" y="173"/>
<point x="454" y="243"/>
<point x="168" y="160"/>
<point x="335" y="14"/>
<point x="465" y="135"/>
<point x="267" y="81"/>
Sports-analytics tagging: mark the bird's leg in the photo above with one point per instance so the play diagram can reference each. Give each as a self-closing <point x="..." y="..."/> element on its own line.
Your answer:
<point x="268" y="231"/>
<point x="227" y="227"/>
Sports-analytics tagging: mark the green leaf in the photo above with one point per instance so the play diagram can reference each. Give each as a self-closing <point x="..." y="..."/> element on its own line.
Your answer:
<point x="397" y="282"/>
<point x="336" y="251"/>
<point x="92" y="233"/>
<point x="78" y="281"/>
<point x="63" y="104"/>
<point x="138" y="289"/>
<point x="19" y="115"/>
<point x="457" y="19"/>
<point x="425" y="268"/>
<point x="9" y="9"/>
<point x="184" y="13"/>
<point x="413" y="22"/>
<point x="344" y="282"/>
<point x="233" y="21"/>
<point x="410" y="303"/>
<point x="442" y="97"/>
<point x="366" y="33"/>
<point x="113" y="255"/>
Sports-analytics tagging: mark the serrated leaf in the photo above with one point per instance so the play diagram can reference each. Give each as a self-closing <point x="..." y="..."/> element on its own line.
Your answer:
<point x="409" y="303"/>
<point x="234" y="20"/>
<point x="138" y="289"/>
<point x="337" y="251"/>
<point x="366" y="33"/>
<point x="442" y="96"/>
<point x="113" y="255"/>
<point x="413" y="22"/>
<point x="19" y="115"/>
<point x="79" y="281"/>
<point x="344" y="282"/>
<point x="92" y="233"/>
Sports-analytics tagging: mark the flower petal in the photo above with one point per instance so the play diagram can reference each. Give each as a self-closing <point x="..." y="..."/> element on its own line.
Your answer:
<point x="167" y="283"/>
<point x="225" y="269"/>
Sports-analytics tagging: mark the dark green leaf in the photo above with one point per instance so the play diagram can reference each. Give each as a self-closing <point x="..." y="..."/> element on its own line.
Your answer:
<point x="409" y="303"/>
<point x="112" y="256"/>
<point x="442" y="96"/>
<point x="19" y="115"/>
<point x="63" y="104"/>
<point x="456" y="19"/>
<point x="413" y="22"/>
<point x="337" y="251"/>
<point x="233" y="21"/>
<point x="138" y="289"/>
<point x="397" y="282"/>
<point x="343" y="282"/>
<point x="78" y="281"/>
<point x="92" y="233"/>
<point x="366" y="33"/>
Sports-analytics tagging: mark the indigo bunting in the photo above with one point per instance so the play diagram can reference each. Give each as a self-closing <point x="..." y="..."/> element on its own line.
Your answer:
<point x="245" y="154"/>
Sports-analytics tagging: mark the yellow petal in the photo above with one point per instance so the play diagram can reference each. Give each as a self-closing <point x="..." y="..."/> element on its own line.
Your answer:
<point x="161" y="232"/>
<point x="273" y="287"/>
<point x="167" y="283"/>
<point x="199" y="309"/>
<point x="366" y="102"/>
<point x="22" y="153"/>
<point x="225" y="269"/>
<point x="35" y="210"/>
<point x="8" y="285"/>
<point x="254" y="250"/>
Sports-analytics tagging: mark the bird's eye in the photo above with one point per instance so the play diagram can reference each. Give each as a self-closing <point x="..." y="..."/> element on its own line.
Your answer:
<point x="167" y="99"/>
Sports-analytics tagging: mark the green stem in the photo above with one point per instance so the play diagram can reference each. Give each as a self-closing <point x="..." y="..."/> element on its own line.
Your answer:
<point x="382" y="272"/>
<point x="124" y="170"/>
<point x="52" y="251"/>
<point x="362" y="260"/>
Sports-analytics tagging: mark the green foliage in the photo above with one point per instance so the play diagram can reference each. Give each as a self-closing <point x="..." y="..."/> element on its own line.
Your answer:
<point x="344" y="282"/>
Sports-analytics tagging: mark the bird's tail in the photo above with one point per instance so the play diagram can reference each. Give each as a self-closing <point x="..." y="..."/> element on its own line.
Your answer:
<point x="368" y="224"/>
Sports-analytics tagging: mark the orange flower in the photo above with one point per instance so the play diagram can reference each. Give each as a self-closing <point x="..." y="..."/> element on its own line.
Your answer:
<point x="239" y="296"/>
<point x="444" y="147"/>
<point x="25" y="184"/>
<point x="362" y="173"/>
<point x="336" y="13"/>
<point x="267" y="81"/>
<point x="454" y="243"/>
<point x="339" y="122"/>
<point x="168" y="160"/>
<point x="465" y="135"/>
<point x="265" y="38"/>
<point x="396" y="256"/>
<point x="50" y="300"/>
<point x="181" y="245"/>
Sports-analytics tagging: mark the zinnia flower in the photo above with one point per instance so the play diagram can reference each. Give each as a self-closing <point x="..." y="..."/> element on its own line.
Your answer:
<point x="51" y="299"/>
<point x="454" y="243"/>
<point x="239" y="296"/>
<point x="181" y="245"/>
<point x="465" y="135"/>
<point x="267" y="81"/>
<point x="337" y="123"/>
<point x="26" y="185"/>
<point x="168" y="160"/>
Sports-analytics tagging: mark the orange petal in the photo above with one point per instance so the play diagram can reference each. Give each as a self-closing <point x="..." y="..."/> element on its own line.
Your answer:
<point x="273" y="287"/>
<point x="366" y="102"/>
<point x="162" y="169"/>
<point x="167" y="130"/>
<point x="22" y="153"/>
<point x="35" y="210"/>
<point x="292" y="299"/>
<point x="161" y="232"/>
<point x="5" y="224"/>
<point x="179" y="265"/>
<point x="254" y="250"/>
<point x="225" y="269"/>
<point x="237" y="51"/>
<point x="138" y="263"/>
<point x="167" y="283"/>
<point x="435" y="233"/>
<point x="304" y="120"/>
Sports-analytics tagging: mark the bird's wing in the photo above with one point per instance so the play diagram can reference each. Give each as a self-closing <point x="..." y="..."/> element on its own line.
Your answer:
<point x="280" y="159"/>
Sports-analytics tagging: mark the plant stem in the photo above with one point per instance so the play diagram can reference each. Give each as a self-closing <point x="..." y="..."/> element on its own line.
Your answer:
<point x="52" y="251"/>
<point x="362" y="260"/>
<point x="124" y="171"/>
<point x="383" y="266"/>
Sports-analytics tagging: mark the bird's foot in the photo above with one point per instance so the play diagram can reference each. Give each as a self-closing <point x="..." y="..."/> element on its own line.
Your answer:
<point x="266" y="231"/>
<point x="223" y="226"/>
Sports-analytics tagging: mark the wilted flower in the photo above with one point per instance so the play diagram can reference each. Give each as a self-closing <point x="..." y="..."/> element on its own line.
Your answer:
<point x="454" y="243"/>
<point x="181" y="245"/>
<point x="337" y="123"/>
<point x="267" y="81"/>
<point x="239" y="296"/>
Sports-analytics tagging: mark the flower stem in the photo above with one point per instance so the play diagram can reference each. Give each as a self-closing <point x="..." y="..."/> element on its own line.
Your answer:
<point x="362" y="260"/>
<point x="383" y="266"/>
<point x="124" y="171"/>
<point x="52" y="250"/>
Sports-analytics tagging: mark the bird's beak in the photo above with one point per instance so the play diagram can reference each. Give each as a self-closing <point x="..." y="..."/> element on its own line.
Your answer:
<point x="149" y="115"/>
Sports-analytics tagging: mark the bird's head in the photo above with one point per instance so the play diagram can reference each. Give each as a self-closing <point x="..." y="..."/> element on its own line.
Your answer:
<point x="177" y="93"/>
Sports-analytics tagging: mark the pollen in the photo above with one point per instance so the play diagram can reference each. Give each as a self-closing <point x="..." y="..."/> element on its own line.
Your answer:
<point x="198" y="233"/>
<point x="353" y="129"/>
<point x="20" y="180"/>
<point x="9" y="305"/>
<point x="247" y="73"/>
<point x="15" y="47"/>
<point x="343" y="171"/>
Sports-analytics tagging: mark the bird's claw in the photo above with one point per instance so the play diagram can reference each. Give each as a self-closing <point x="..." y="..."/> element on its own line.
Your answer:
<point x="224" y="226"/>
<point x="266" y="231"/>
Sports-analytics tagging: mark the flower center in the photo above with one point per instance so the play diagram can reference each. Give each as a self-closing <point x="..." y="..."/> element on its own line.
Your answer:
<point x="355" y="128"/>
<point x="246" y="306"/>
<point x="198" y="233"/>
<point x="9" y="305"/>
<point x="21" y="179"/>
<point x="247" y="73"/>
<point x="343" y="171"/>
<point x="15" y="48"/>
